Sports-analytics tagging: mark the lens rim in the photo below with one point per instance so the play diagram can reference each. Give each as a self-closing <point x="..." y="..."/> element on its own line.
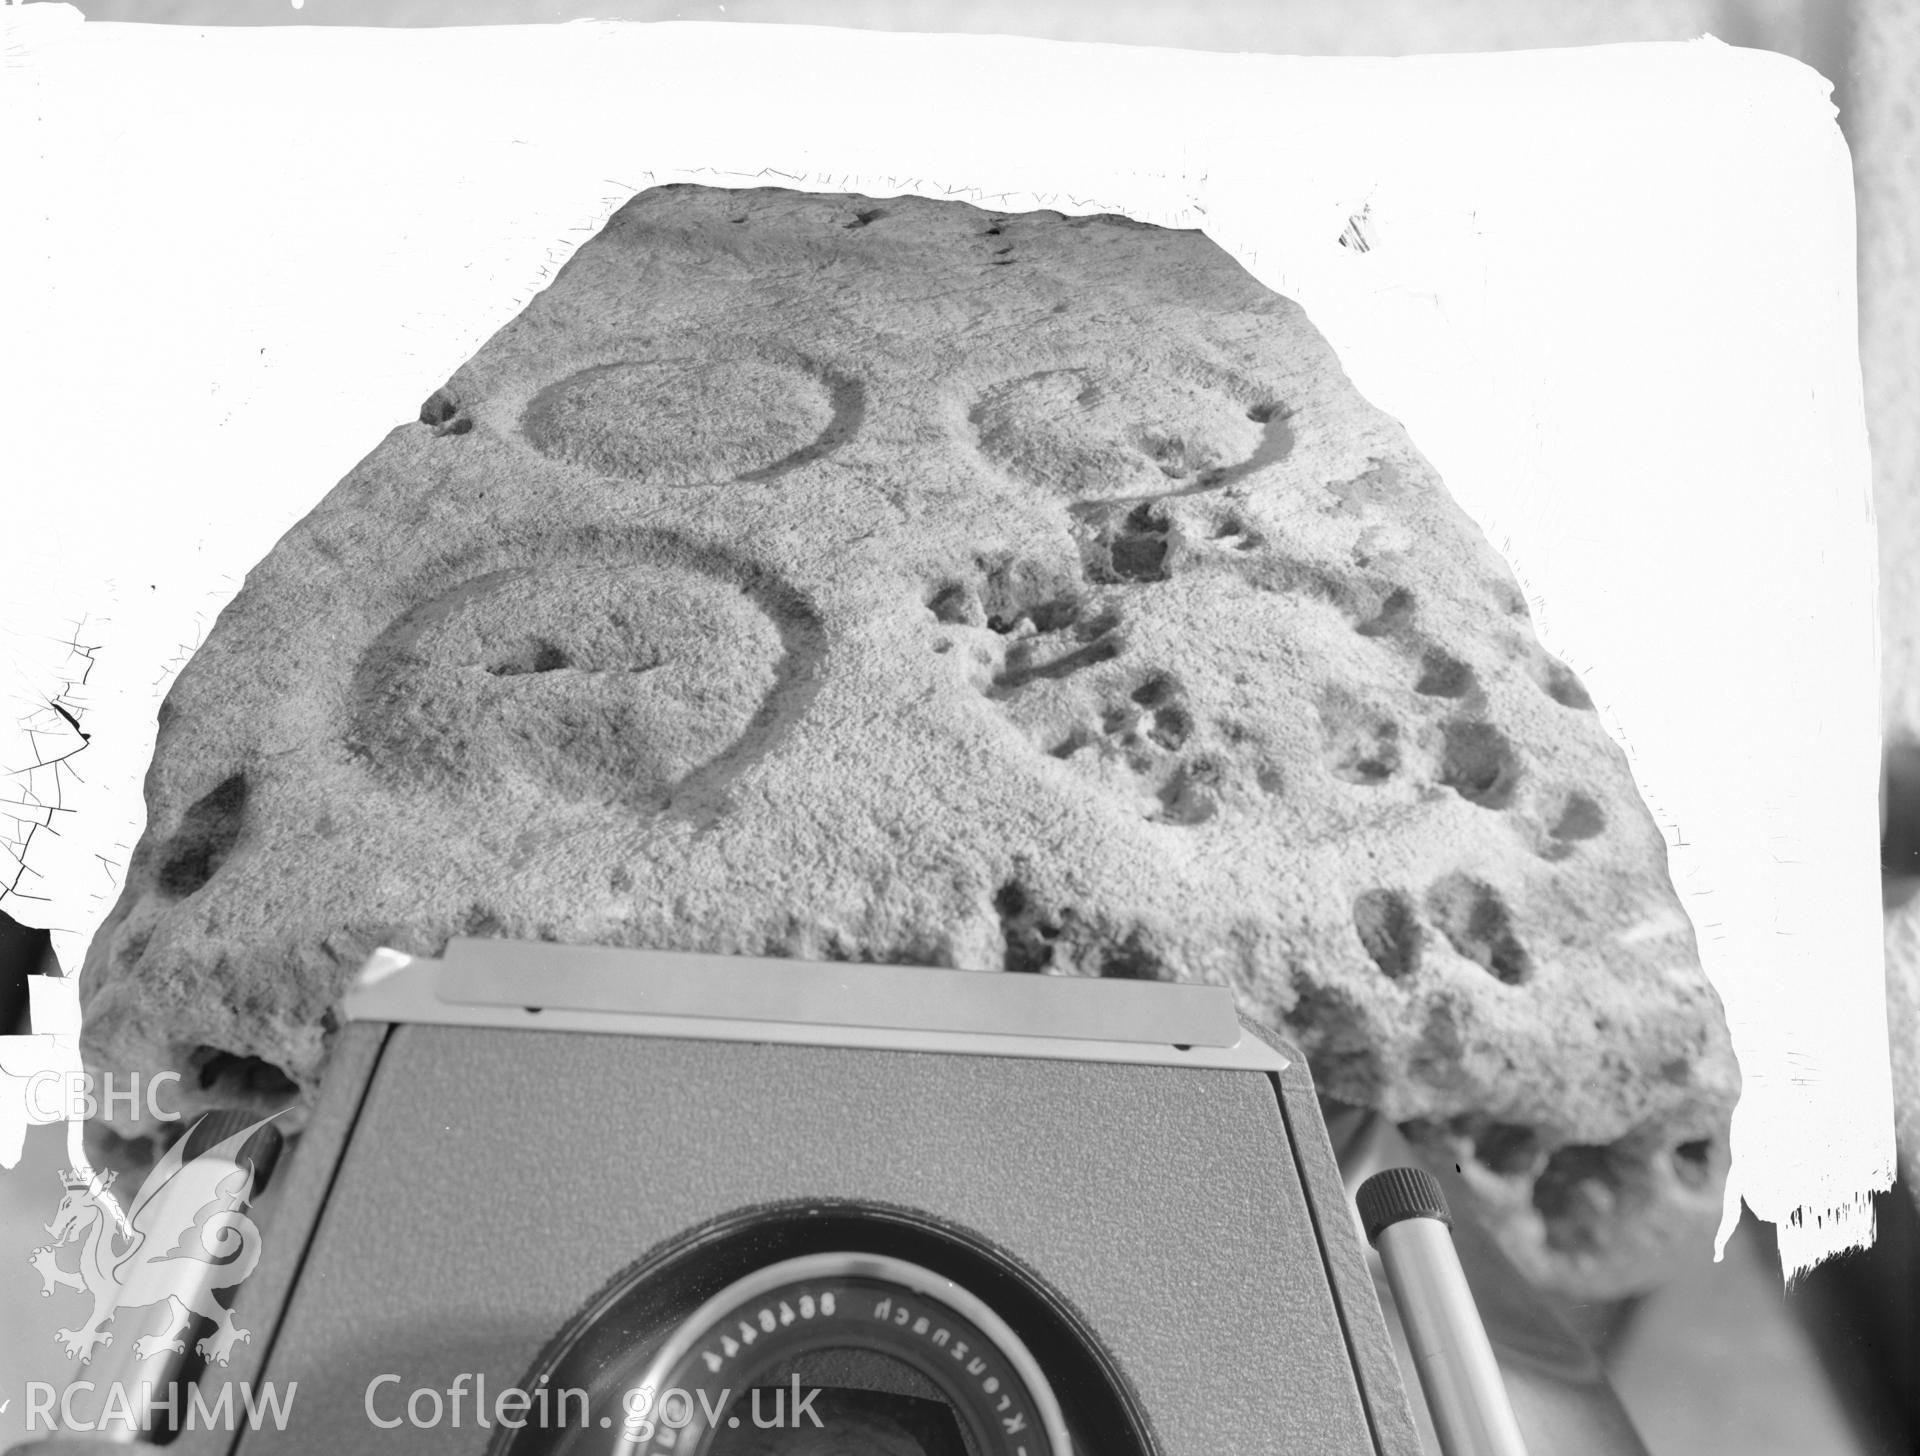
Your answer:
<point x="646" y="1299"/>
<point x="857" y="1264"/>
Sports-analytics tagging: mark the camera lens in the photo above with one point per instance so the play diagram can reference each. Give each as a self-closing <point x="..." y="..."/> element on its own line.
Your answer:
<point x="756" y="1358"/>
<point x="827" y="1329"/>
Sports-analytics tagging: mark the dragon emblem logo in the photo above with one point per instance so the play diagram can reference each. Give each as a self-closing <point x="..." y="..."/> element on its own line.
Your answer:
<point x="188" y="1209"/>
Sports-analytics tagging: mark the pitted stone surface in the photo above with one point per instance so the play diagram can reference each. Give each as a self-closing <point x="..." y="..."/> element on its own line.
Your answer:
<point x="813" y="576"/>
<point x="1903" y="1032"/>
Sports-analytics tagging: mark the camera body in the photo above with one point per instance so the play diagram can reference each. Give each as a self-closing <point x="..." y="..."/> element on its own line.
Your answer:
<point x="535" y="1167"/>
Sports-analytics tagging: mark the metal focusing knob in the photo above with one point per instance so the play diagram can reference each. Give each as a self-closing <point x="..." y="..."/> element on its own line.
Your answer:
<point x="1405" y="1216"/>
<point x="1399" y="1193"/>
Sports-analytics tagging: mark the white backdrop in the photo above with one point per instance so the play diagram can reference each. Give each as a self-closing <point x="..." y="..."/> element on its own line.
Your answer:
<point x="1610" y="293"/>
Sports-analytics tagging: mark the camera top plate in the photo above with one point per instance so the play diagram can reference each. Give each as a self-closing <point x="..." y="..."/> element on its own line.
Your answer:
<point x="623" y="991"/>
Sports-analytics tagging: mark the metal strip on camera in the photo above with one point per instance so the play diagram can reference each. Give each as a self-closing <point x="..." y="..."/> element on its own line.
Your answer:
<point x="612" y="989"/>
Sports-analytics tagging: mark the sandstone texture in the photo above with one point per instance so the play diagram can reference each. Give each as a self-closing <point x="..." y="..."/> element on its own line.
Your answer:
<point x="1903" y="1034"/>
<point x="829" y="576"/>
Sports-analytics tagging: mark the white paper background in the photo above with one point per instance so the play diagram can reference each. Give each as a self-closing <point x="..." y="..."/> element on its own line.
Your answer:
<point x="1610" y="295"/>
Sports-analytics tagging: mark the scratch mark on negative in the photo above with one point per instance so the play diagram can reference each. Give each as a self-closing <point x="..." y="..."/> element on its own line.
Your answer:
<point x="84" y="737"/>
<point x="36" y="790"/>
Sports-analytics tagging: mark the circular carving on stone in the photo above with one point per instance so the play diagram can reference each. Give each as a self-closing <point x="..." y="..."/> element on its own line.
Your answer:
<point x="601" y="681"/>
<point x="1118" y="430"/>
<point x="695" y="420"/>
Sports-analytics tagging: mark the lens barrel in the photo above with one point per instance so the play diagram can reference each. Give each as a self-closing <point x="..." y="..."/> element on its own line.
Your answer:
<point x="762" y="1330"/>
<point x="768" y="1322"/>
